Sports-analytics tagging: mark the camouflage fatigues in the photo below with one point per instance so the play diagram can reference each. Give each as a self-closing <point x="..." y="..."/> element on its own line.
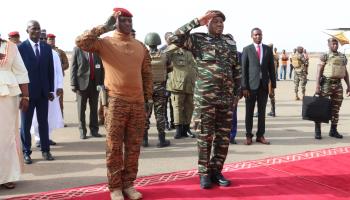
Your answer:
<point x="331" y="86"/>
<point x="125" y="120"/>
<point x="159" y="100"/>
<point x="124" y="124"/>
<point x="300" y="73"/>
<point x="159" y="93"/>
<point x="217" y="82"/>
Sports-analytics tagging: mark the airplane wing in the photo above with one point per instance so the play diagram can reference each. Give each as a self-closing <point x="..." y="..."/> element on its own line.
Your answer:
<point x="339" y="29"/>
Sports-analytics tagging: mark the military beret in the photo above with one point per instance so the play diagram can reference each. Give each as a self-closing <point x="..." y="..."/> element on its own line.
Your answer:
<point x="50" y="35"/>
<point x="13" y="33"/>
<point x="218" y="13"/>
<point x="122" y="12"/>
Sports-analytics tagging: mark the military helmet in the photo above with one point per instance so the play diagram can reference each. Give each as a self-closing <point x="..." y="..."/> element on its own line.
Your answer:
<point x="152" y="39"/>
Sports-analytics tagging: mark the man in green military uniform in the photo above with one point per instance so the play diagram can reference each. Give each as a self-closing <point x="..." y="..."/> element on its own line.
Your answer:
<point x="217" y="84"/>
<point x="159" y="72"/>
<point x="332" y="68"/>
<point x="181" y="85"/>
<point x="300" y="72"/>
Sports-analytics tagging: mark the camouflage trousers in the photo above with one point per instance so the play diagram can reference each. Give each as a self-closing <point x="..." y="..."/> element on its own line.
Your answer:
<point x="159" y="105"/>
<point x="183" y="107"/>
<point x="333" y="89"/>
<point x="215" y="126"/>
<point x="125" y="127"/>
<point x="300" y="76"/>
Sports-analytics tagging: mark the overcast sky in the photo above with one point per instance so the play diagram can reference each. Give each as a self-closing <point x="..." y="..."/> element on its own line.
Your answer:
<point x="286" y="24"/>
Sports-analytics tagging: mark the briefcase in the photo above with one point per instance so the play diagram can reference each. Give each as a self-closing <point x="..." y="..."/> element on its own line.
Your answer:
<point x="317" y="108"/>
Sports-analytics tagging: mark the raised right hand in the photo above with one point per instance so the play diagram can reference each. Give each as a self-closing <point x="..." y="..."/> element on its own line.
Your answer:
<point x="204" y="20"/>
<point x="110" y="23"/>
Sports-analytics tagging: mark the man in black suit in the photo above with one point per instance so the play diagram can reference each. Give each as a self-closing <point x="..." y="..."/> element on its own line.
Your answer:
<point x="86" y="74"/>
<point x="257" y="70"/>
<point x="37" y="57"/>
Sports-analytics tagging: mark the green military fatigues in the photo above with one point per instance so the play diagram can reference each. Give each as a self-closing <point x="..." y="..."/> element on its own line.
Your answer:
<point x="181" y="83"/>
<point x="218" y="72"/>
<point x="300" y="72"/>
<point x="334" y="71"/>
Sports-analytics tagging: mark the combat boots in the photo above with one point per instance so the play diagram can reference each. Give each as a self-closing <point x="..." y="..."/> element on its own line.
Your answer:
<point x="187" y="131"/>
<point x="205" y="181"/>
<point x="145" y="139"/>
<point x="117" y="195"/>
<point x="318" y="131"/>
<point x="334" y="133"/>
<point x="178" y="132"/>
<point x="162" y="141"/>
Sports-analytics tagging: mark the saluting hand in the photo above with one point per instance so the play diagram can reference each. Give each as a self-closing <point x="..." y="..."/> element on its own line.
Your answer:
<point x="204" y="20"/>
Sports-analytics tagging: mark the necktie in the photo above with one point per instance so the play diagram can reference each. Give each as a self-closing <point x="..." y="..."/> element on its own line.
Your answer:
<point x="37" y="53"/>
<point x="92" y="66"/>
<point x="258" y="51"/>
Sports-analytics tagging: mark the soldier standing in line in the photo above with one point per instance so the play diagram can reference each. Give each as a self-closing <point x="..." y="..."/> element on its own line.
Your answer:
<point x="272" y="113"/>
<point x="332" y="68"/>
<point x="168" y="124"/>
<point x="300" y="72"/>
<point x="51" y="40"/>
<point x="181" y="83"/>
<point x="290" y="64"/>
<point x="217" y="85"/>
<point x="128" y="80"/>
<point x="15" y="37"/>
<point x="276" y="58"/>
<point x="159" y="72"/>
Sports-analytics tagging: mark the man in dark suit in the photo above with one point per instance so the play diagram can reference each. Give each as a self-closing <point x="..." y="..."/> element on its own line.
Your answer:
<point x="37" y="57"/>
<point x="257" y="70"/>
<point x="86" y="74"/>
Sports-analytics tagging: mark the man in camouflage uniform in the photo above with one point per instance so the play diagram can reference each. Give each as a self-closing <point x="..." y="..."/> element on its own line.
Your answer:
<point x="272" y="113"/>
<point x="300" y="71"/>
<point x="181" y="85"/>
<point x="51" y="40"/>
<point x="128" y="80"/>
<point x="159" y="72"/>
<point x="217" y="84"/>
<point x="332" y="68"/>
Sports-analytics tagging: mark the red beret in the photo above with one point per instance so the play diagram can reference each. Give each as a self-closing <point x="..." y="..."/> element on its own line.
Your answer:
<point x="50" y="35"/>
<point x="123" y="12"/>
<point x="13" y="33"/>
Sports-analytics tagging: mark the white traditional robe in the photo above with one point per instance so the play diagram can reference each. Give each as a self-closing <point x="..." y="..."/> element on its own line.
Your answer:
<point x="12" y="73"/>
<point x="54" y="117"/>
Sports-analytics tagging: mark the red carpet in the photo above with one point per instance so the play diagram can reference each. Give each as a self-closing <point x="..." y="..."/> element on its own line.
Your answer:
<point x="313" y="175"/>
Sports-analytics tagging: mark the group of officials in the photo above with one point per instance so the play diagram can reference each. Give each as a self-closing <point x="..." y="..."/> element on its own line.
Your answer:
<point x="135" y="82"/>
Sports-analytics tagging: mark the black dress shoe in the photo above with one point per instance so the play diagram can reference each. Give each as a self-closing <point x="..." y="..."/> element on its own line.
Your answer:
<point x="96" y="135"/>
<point x="83" y="136"/>
<point x="27" y="159"/>
<point x="220" y="179"/>
<point x="205" y="182"/>
<point x="47" y="156"/>
<point x="51" y="142"/>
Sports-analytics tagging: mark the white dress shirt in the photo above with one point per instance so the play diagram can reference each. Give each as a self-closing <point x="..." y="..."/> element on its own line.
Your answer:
<point x="33" y="45"/>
